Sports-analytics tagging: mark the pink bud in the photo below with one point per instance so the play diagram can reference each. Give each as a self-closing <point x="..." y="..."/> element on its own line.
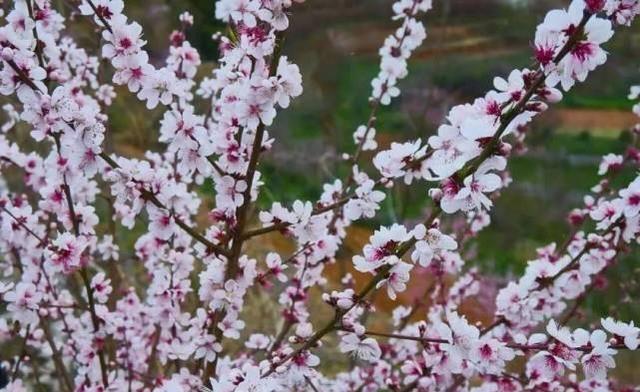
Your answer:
<point x="594" y="6"/>
<point x="633" y="153"/>
<point x="7" y="54"/>
<point x="575" y="218"/>
<point x="436" y="194"/>
<point x="177" y="38"/>
<point x="504" y="149"/>
<point x="536" y="107"/>
<point x="600" y="282"/>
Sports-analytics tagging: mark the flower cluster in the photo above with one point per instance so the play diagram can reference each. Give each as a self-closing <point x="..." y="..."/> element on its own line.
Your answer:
<point x="555" y="277"/>
<point x="124" y="48"/>
<point x="397" y="49"/>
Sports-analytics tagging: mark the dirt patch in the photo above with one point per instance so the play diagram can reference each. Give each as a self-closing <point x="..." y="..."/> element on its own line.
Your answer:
<point x="367" y="38"/>
<point x="600" y="121"/>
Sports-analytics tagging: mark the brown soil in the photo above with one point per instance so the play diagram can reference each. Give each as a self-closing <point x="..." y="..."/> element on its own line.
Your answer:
<point x="594" y="119"/>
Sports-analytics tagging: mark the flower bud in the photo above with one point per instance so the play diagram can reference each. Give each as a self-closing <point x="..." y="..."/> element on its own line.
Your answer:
<point x="186" y="18"/>
<point x="304" y="330"/>
<point x="504" y="149"/>
<point x="177" y="38"/>
<point x="436" y="194"/>
<point x="594" y="6"/>
<point x="633" y="153"/>
<point x="575" y="218"/>
<point x="537" y="107"/>
<point x="7" y="54"/>
<point x="345" y="303"/>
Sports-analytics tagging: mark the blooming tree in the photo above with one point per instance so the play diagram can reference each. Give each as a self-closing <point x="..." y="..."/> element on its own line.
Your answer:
<point x="81" y="324"/>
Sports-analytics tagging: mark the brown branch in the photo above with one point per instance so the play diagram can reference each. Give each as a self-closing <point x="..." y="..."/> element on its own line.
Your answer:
<point x="43" y="240"/>
<point x="242" y="212"/>
<point x="22" y="353"/>
<point x="38" y="48"/>
<point x="525" y="347"/>
<point x="149" y="196"/>
<point x="332" y="325"/>
<point x="83" y="273"/>
<point x="104" y="22"/>
<point x="283" y="225"/>
<point x="57" y="357"/>
<point x="499" y="321"/>
<point x="24" y="78"/>
<point x="310" y="383"/>
<point x="349" y="180"/>
<point x="343" y="198"/>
